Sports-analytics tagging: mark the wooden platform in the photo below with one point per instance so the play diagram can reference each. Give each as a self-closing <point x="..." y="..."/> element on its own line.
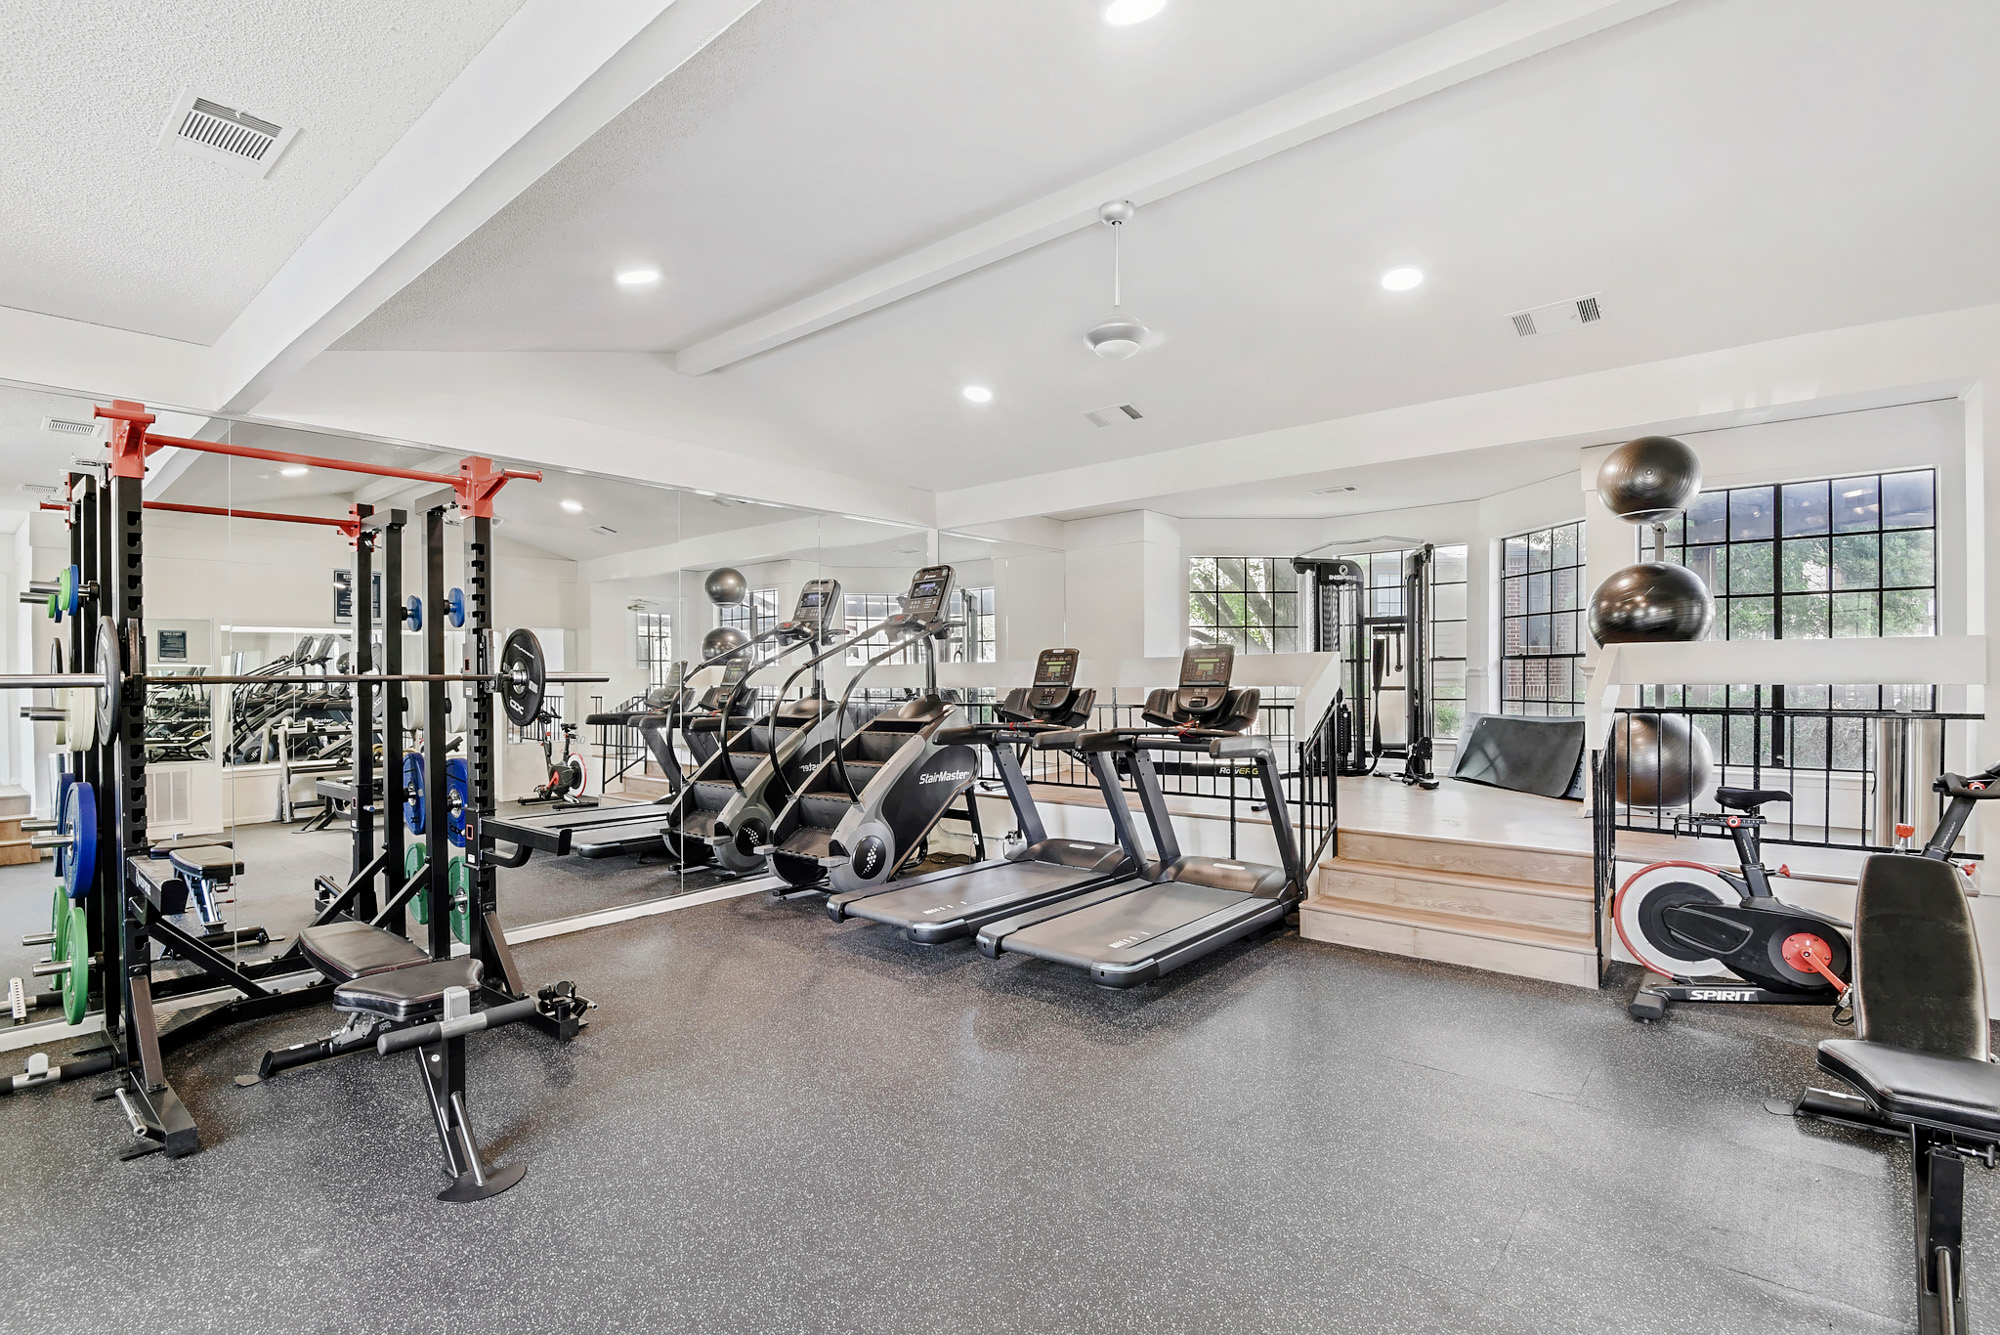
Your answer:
<point x="15" y="807"/>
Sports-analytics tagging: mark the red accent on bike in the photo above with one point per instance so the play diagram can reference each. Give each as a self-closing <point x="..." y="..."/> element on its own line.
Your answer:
<point x="1906" y="831"/>
<point x="1784" y="869"/>
<point x="1810" y="954"/>
<point x="1619" y="927"/>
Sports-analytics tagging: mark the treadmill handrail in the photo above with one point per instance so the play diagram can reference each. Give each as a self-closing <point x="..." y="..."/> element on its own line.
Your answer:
<point x="924" y="630"/>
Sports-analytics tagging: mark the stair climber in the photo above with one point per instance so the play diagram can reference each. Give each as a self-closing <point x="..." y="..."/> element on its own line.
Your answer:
<point x="872" y="802"/>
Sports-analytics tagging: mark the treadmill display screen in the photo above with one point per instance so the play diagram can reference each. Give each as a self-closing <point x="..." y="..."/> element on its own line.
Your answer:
<point x="1056" y="667"/>
<point x="1207" y="666"/>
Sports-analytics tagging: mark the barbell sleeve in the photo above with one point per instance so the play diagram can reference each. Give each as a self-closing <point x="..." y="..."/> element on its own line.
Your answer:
<point x="49" y="841"/>
<point x="51" y="967"/>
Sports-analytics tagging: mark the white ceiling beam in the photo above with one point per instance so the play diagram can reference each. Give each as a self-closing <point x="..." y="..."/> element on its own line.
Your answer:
<point x="547" y="81"/>
<point x="1502" y="36"/>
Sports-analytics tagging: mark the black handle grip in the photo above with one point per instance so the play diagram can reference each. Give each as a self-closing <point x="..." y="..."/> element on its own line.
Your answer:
<point x="1979" y="789"/>
<point x="401" y="1040"/>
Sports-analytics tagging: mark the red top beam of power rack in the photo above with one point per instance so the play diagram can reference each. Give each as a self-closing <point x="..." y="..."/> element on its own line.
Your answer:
<point x="476" y="482"/>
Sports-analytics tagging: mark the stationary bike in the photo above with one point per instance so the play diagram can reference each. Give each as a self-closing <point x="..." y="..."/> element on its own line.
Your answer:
<point x="567" y="774"/>
<point x="1783" y="955"/>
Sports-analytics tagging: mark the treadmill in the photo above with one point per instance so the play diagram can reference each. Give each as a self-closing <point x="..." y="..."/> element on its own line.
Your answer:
<point x="1185" y="907"/>
<point x="954" y="903"/>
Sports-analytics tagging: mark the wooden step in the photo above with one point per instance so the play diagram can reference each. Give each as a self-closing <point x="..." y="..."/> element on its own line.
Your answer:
<point x="1553" y="954"/>
<point x="16" y="851"/>
<point x="643" y="785"/>
<point x="1464" y="894"/>
<point x="1546" y="866"/>
<point x="15" y="802"/>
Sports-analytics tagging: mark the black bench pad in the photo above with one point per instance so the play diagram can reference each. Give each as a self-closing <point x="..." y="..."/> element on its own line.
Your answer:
<point x="205" y="864"/>
<point x="167" y="846"/>
<point x="1950" y="1093"/>
<point x="414" y="993"/>
<point x="344" y="951"/>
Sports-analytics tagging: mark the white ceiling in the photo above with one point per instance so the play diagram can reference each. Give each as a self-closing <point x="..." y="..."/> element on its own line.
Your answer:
<point x="812" y="140"/>
<point x="1723" y="172"/>
<point x="102" y="226"/>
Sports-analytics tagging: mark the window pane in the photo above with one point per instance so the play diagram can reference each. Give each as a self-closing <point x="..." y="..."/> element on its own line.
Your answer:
<point x="1908" y="612"/>
<point x="1856" y="561"/>
<point x="1750" y="569"/>
<point x="1907" y="500"/>
<point x="1806" y="616"/>
<point x="1750" y="513"/>
<point x="1538" y="550"/>
<point x="1907" y="559"/>
<point x="1707" y="517"/>
<point x="1711" y="563"/>
<point x="1538" y="634"/>
<point x="1563" y="627"/>
<point x="1448" y="603"/>
<point x="1805" y="509"/>
<point x="1806" y="563"/>
<point x="1448" y="563"/>
<point x="1566" y="544"/>
<point x="1448" y="639"/>
<point x="1857" y="504"/>
<point x="1855" y="614"/>
<point x="1538" y="593"/>
<point x="1750" y="618"/>
<point x="1568" y="589"/>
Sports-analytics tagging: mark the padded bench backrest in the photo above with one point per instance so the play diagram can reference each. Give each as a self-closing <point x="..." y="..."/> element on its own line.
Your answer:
<point x="1918" y="980"/>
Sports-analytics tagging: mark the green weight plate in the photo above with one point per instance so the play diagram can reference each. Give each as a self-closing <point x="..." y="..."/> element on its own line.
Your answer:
<point x="66" y="589"/>
<point x="54" y="609"/>
<point x="76" y="979"/>
<point x="60" y="914"/>
<point x="458" y="877"/>
<point x="420" y="903"/>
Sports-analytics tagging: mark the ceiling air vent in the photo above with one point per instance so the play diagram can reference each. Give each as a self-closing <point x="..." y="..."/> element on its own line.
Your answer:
<point x="200" y="128"/>
<point x="1330" y="491"/>
<point x="38" y="489"/>
<point x="604" y="529"/>
<point x="65" y="426"/>
<point x="1116" y="415"/>
<point x="1558" y="316"/>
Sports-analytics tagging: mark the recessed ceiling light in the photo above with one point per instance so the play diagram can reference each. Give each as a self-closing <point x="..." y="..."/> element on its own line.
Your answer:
<point x="979" y="393"/>
<point x="294" y="470"/>
<point x="637" y="277"/>
<point x="1402" y="280"/>
<point x="1123" y="12"/>
<point x="572" y="505"/>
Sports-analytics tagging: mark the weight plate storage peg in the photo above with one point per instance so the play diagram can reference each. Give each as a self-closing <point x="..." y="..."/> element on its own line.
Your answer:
<point x="524" y="677"/>
<point x="454" y="608"/>
<point x="79" y="822"/>
<point x="413" y="791"/>
<point x="413" y="612"/>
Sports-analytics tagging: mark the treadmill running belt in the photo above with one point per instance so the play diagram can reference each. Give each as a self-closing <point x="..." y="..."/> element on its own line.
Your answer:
<point x="1130" y="927"/>
<point x="612" y="841"/>
<point x="967" y="897"/>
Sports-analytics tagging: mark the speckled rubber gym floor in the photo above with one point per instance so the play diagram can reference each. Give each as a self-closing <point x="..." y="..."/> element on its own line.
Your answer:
<point x="776" y="1123"/>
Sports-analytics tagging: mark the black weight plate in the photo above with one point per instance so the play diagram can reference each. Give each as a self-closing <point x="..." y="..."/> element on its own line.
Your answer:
<point x="524" y="677"/>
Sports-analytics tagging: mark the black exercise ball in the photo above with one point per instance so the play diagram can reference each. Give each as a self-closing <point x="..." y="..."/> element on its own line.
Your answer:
<point x="726" y="587"/>
<point x="1654" y="602"/>
<point x="1660" y="760"/>
<point x="721" y="640"/>
<point x="1649" y="479"/>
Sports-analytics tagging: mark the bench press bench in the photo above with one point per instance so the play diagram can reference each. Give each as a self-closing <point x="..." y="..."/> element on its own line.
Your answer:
<point x="1921" y="1058"/>
<point x="397" y="998"/>
<point x="204" y="876"/>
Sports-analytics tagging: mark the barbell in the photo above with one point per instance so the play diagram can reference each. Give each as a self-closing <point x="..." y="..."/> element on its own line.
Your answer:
<point x="523" y="677"/>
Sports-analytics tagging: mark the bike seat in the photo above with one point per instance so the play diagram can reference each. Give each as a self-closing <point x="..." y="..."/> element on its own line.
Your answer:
<point x="1748" y="799"/>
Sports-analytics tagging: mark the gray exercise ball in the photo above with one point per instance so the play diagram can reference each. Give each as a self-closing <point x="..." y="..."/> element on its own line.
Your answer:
<point x="726" y="587"/>
<point x="1649" y="479"/>
<point x="721" y="640"/>
<point x="1660" y="760"/>
<point x="1653" y="602"/>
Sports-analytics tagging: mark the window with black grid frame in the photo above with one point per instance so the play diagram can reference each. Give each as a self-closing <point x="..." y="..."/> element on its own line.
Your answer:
<point x="1253" y="603"/>
<point x="973" y="638"/>
<point x="1542" y="621"/>
<point x="866" y="609"/>
<point x="1826" y="559"/>
<point x="654" y="634"/>
<point x="756" y="614"/>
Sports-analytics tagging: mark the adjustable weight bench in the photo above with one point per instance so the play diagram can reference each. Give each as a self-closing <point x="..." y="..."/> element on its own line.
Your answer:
<point x="205" y="871"/>
<point x="1921" y="1057"/>
<point x="396" y="998"/>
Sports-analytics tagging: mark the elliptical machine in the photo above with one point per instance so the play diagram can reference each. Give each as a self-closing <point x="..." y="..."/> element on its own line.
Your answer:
<point x="1781" y="955"/>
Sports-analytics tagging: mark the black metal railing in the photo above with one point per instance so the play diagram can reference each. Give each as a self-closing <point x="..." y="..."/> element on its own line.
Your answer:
<point x="1854" y="775"/>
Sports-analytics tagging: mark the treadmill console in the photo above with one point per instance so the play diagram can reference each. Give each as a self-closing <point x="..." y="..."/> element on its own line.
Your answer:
<point x="818" y="612"/>
<point x="1055" y="677"/>
<point x="1203" y="698"/>
<point x="924" y="604"/>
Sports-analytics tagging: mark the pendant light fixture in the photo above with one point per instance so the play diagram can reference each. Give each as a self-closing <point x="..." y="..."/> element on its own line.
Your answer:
<point x="1120" y="336"/>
